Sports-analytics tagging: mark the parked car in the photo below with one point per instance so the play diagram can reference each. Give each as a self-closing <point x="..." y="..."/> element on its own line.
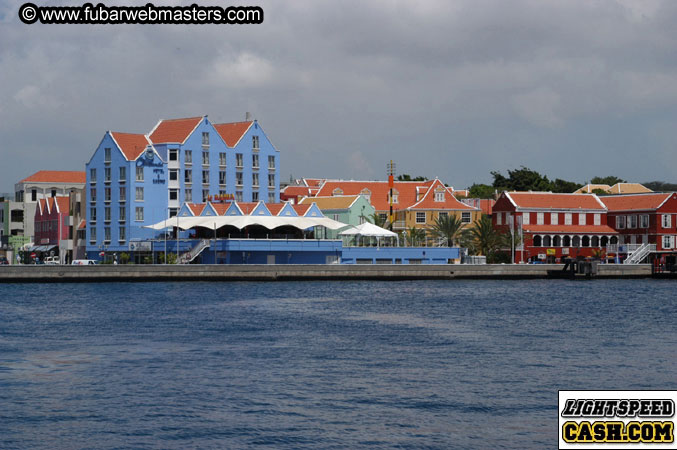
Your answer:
<point x="83" y="262"/>
<point x="3" y="261"/>
<point x="52" y="260"/>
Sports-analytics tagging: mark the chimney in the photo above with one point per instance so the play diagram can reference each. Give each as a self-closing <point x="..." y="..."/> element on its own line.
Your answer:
<point x="248" y="116"/>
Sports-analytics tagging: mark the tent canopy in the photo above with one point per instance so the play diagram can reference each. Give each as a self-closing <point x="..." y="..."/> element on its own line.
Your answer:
<point x="270" y="222"/>
<point x="368" y="229"/>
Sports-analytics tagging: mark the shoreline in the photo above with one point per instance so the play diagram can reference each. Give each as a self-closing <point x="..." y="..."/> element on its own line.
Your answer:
<point x="301" y="272"/>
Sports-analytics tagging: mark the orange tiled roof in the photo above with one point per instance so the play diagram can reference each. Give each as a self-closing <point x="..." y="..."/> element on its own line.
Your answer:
<point x="247" y="207"/>
<point x="196" y="208"/>
<point x="231" y="133"/>
<point x="220" y="208"/>
<point x="637" y="202"/>
<point x="275" y="208"/>
<point x="570" y="229"/>
<point x="174" y="130"/>
<point x="487" y="205"/>
<point x="56" y="176"/>
<point x="313" y="182"/>
<point x="301" y="209"/>
<point x="131" y="145"/>
<point x="83" y="225"/>
<point x="548" y="200"/>
<point x="406" y="191"/>
<point x="296" y="191"/>
<point x="628" y="188"/>
<point x="588" y="188"/>
<point x="450" y="202"/>
<point x="335" y="202"/>
<point x="62" y="203"/>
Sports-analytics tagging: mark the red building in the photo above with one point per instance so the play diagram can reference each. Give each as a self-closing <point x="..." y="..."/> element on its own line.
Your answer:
<point x="51" y="223"/>
<point x="645" y="219"/>
<point x="553" y="226"/>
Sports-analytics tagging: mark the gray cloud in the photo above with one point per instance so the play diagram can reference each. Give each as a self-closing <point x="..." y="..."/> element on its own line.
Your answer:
<point x="448" y="89"/>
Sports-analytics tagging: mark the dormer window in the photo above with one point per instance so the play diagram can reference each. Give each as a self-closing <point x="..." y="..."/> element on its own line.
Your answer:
<point x="395" y="196"/>
<point x="439" y="196"/>
<point x="366" y="193"/>
<point x="337" y="191"/>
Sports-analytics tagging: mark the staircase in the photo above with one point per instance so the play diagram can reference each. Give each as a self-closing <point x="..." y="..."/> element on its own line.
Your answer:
<point x="640" y="253"/>
<point x="193" y="253"/>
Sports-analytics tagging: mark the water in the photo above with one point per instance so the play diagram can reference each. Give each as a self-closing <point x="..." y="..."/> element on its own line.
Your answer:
<point x="457" y="364"/>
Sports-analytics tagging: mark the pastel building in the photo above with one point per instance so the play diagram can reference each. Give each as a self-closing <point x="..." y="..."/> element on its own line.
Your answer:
<point x="134" y="180"/>
<point x="348" y="209"/>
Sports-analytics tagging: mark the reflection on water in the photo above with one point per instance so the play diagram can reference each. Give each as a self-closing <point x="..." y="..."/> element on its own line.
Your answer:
<point x="457" y="364"/>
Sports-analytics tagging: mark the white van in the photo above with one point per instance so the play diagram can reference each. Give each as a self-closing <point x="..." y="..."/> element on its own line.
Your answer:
<point x="83" y="262"/>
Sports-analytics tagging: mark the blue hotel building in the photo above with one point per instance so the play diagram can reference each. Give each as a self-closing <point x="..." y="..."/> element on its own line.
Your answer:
<point x="134" y="180"/>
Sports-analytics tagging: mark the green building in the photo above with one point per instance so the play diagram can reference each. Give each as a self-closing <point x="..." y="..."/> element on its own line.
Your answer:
<point x="349" y="209"/>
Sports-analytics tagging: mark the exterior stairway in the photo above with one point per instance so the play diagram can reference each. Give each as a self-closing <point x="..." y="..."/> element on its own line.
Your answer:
<point x="190" y="255"/>
<point x="640" y="253"/>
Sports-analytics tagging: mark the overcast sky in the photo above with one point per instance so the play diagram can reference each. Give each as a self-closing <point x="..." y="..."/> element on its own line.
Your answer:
<point x="453" y="89"/>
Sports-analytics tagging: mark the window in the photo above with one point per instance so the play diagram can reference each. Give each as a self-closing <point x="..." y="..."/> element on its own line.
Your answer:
<point x="337" y="191"/>
<point x="554" y="218"/>
<point x="597" y="219"/>
<point x="255" y="142"/>
<point x="420" y="217"/>
<point x="271" y="162"/>
<point x="238" y="196"/>
<point x="106" y="214"/>
<point x="189" y="195"/>
<point x="92" y="215"/>
<point x="106" y="234"/>
<point x="139" y="194"/>
<point x="123" y="214"/>
<point x="173" y="154"/>
<point x="255" y="179"/>
<point x="335" y="217"/>
<point x="173" y="194"/>
<point x="465" y="217"/>
<point x="540" y="219"/>
<point x="239" y="161"/>
<point x="205" y="138"/>
<point x="123" y="174"/>
<point x="205" y="177"/>
<point x="106" y="175"/>
<point x="188" y="176"/>
<point x="139" y="174"/>
<point x="92" y="234"/>
<point x="644" y="221"/>
<point x="271" y="181"/>
<point x="581" y="218"/>
<point x="255" y="196"/>
<point x="499" y="218"/>
<point x="92" y="195"/>
<point x="123" y="194"/>
<point x="439" y="196"/>
<point x="568" y="218"/>
<point x="668" y="242"/>
<point x="123" y="235"/>
<point x="173" y="212"/>
<point x="106" y="194"/>
<point x="106" y="154"/>
<point x="222" y="177"/>
<point x="632" y="221"/>
<point x="139" y="214"/>
<point x="222" y="159"/>
<point x="271" y="197"/>
<point x="620" y="222"/>
<point x="205" y="158"/>
<point x="92" y="176"/>
<point x="666" y="220"/>
<point x="383" y="216"/>
<point x="238" y="178"/>
<point x="189" y="157"/>
<point x="53" y="192"/>
<point x="255" y="161"/>
<point x="173" y="174"/>
<point x="443" y="215"/>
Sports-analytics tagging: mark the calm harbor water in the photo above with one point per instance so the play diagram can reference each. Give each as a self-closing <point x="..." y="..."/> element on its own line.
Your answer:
<point x="449" y="364"/>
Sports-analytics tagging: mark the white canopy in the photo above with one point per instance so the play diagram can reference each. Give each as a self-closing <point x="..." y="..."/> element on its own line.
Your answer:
<point x="368" y="229"/>
<point x="270" y="222"/>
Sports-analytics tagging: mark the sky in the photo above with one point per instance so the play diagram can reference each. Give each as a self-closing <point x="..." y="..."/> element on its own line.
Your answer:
<point x="449" y="89"/>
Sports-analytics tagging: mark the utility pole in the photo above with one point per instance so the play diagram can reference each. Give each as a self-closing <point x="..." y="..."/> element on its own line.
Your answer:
<point x="391" y="183"/>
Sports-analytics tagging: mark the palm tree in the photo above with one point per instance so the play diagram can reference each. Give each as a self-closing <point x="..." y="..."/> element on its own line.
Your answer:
<point x="448" y="228"/>
<point x="484" y="238"/>
<point x="415" y="236"/>
<point x="377" y="220"/>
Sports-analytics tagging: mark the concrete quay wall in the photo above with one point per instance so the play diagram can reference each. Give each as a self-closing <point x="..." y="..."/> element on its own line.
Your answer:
<point x="223" y="272"/>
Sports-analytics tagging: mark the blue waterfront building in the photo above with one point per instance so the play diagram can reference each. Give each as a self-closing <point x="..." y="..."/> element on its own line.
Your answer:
<point x="134" y="180"/>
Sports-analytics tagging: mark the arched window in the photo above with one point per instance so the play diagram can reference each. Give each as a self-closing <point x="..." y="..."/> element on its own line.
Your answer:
<point x="546" y="241"/>
<point x="537" y="241"/>
<point x="366" y="193"/>
<point x="586" y="241"/>
<point x="576" y="241"/>
<point x="566" y="241"/>
<point x="605" y="241"/>
<point x="595" y="241"/>
<point x="439" y="194"/>
<point x="557" y="241"/>
<point x="337" y="191"/>
<point x="614" y="240"/>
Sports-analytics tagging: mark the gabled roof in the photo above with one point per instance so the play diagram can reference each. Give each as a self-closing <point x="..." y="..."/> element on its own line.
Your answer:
<point x="635" y="202"/>
<point x="174" y="130"/>
<point x="450" y="202"/>
<point x="260" y="210"/>
<point x="83" y="225"/>
<point x="301" y="209"/>
<point x="275" y="208"/>
<point x="56" y="176"/>
<point x="334" y="202"/>
<point x="247" y="207"/>
<point x="42" y="206"/>
<point x="628" y="188"/>
<point x="406" y="191"/>
<point x="62" y="204"/>
<point x="295" y="191"/>
<point x="588" y="188"/>
<point x="131" y="145"/>
<point x="231" y="133"/>
<point x="220" y="208"/>
<point x="313" y="182"/>
<point x="548" y="200"/>
<point x="196" y="208"/>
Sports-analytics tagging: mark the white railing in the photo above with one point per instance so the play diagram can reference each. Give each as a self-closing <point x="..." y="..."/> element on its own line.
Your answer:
<point x="191" y="254"/>
<point x="640" y="253"/>
<point x="623" y="248"/>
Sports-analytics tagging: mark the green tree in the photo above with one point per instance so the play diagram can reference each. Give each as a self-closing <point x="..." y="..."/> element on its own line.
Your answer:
<point x="481" y="191"/>
<point x="415" y="236"/>
<point x="407" y="177"/>
<point x="448" y="228"/>
<point x="610" y="180"/>
<point x="522" y="179"/>
<point x="599" y="191"/>
<point x="377" y="220"/>
<point x="483" y="239"/>
<point x="563" y="186"/>
<point x="660" y="186"/>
